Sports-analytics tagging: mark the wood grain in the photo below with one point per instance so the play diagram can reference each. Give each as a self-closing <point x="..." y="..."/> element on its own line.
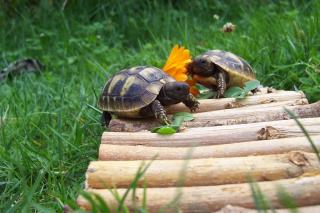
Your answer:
<point x="112" y="152"/>
<point x="202" y="172"/>
<point x="304" y="190"/>
<point x="223" y="117"/>
<point x="215" y="135"/>
<point x="275" y="98"/>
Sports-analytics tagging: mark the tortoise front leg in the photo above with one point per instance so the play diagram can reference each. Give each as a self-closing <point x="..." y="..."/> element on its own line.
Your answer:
<point x="192" y="103"/>
<point x="222" y="84"/>
<point x="159" y="112"/>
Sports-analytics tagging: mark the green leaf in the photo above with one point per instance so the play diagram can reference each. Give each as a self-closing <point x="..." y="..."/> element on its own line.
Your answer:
<point x="207" y="94"/>
<point x="155" y="129"/>
<point x="180" y="117"/>
<point x="201" y="88"/>
<point x="251" y="85"/>
<point x="233" y="92"/>
<point x="177" y="121"/>
<point x="242" y="95"/>
<point x="185" y="115"/>
<point x="176" y="127"/>
<point x="172" y="126"/>
<point x="166" y="130"/>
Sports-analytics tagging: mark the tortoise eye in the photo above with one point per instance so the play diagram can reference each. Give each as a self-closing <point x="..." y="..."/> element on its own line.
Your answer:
<point x="202" y="61"/>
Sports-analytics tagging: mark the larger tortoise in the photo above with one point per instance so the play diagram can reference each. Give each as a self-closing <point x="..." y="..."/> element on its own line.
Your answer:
<point x="217" y="69"/>
<point x="142" y="92"/>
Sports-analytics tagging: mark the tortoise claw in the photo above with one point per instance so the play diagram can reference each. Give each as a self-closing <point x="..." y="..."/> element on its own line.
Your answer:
<point x="160" y="112"/>
<point x="195" y="106"/>
<point x="164" y="119"/>
<point x="192" y="103"/>
<point x="218" y="95"/>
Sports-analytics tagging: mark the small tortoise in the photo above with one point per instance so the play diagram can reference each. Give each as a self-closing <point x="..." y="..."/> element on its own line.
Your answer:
<point x="143" y="92"/>
<point x="217" y="69"/>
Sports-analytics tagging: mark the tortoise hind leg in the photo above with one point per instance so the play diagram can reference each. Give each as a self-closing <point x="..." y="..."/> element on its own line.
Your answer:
<point x="159" y="112"/>
<point x="222" y="84"/>
<point x="105" y="118"/>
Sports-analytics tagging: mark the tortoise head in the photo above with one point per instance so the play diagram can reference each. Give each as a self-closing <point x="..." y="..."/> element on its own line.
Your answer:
<point x="174" y="92"/>
<point x="201" y="66"/>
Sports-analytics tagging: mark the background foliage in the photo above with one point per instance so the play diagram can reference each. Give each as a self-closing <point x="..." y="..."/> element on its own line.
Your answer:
<point x="49" y="131"/>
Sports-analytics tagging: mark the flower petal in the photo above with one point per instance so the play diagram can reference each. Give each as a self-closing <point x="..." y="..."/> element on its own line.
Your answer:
<point x="176" y="63"/>
<point x="181" y="77"/>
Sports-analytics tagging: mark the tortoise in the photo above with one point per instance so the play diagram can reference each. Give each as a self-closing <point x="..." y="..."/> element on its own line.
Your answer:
<point x="143" y="91"/>
<point x="218" y="69"/>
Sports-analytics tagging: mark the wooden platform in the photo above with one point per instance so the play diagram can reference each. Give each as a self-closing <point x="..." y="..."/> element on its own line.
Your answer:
<point x="206" y="167"/>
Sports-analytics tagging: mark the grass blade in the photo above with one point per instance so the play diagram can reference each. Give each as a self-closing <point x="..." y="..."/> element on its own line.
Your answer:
<point x="305" y="132"/>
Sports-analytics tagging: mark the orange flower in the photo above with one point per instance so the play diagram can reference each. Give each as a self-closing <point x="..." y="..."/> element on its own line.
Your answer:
<point x="176" y="66"/>
<point x="193" y="90"/>
<point x="176" y="63"/>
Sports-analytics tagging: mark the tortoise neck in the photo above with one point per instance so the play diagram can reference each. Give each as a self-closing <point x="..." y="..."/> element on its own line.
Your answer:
<point x="164" y="99"/>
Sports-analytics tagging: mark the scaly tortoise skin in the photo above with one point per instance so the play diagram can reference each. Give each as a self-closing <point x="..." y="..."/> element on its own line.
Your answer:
<point x="142" y="92"/>
<point x="218" y="70"/>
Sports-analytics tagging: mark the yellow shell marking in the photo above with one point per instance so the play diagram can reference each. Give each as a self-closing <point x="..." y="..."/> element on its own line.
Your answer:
<point x="234" y="57"/>
<point x="147" y="73"/>
<point x="212" y="57"/>
<point x="238" y="79"/>
<point x="162" y="81"/>
<point x="130" y="80"/>
<point x="153" y="88"/>
<point x="114" y="81"/>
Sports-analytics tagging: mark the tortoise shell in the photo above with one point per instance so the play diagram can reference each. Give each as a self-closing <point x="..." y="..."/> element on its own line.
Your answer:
<point x="238" y="69"/>
<point x="132" y="89"/>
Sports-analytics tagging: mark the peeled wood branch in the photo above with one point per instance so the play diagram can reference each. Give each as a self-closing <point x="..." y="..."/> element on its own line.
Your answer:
<point x="305" y="191"/>
<point x="290" y="97"/>
<point x="294" y="102"/>
<point x="202" y="172"/>
<point x="237" y="209"/>
<point x="223" y="117"/>
<point x="216" y="135"/>
<point x="234" y="116"/>
<point x="275" y="146"/>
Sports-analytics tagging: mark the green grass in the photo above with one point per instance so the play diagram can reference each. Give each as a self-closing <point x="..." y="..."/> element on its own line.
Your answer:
<point x="49" y="130"/>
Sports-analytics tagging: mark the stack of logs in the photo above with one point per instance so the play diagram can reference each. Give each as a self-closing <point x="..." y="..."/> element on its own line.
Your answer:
<point x="208" y="163"/>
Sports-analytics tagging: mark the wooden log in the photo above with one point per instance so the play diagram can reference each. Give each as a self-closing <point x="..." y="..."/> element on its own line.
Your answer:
<point x="237" y="209"/>
<point x="286" y="97"/>
<point x="216" y="135"/>
<point x="305" y="191"/>
<point x="205" y="108"/>
<point x="202" y="172"/>
<point x="223" y="117"/>
<point x="294" y="102"/>
<point x="276" y="146"/>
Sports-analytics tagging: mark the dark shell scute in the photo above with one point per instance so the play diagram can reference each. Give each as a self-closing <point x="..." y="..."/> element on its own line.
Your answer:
<point x="116" y="90"/>
<point x="134" y="90"/>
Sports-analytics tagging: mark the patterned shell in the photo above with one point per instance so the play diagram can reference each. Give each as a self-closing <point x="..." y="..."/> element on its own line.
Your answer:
<point x="231" y="63"/>
<point x="131" y="89"/>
